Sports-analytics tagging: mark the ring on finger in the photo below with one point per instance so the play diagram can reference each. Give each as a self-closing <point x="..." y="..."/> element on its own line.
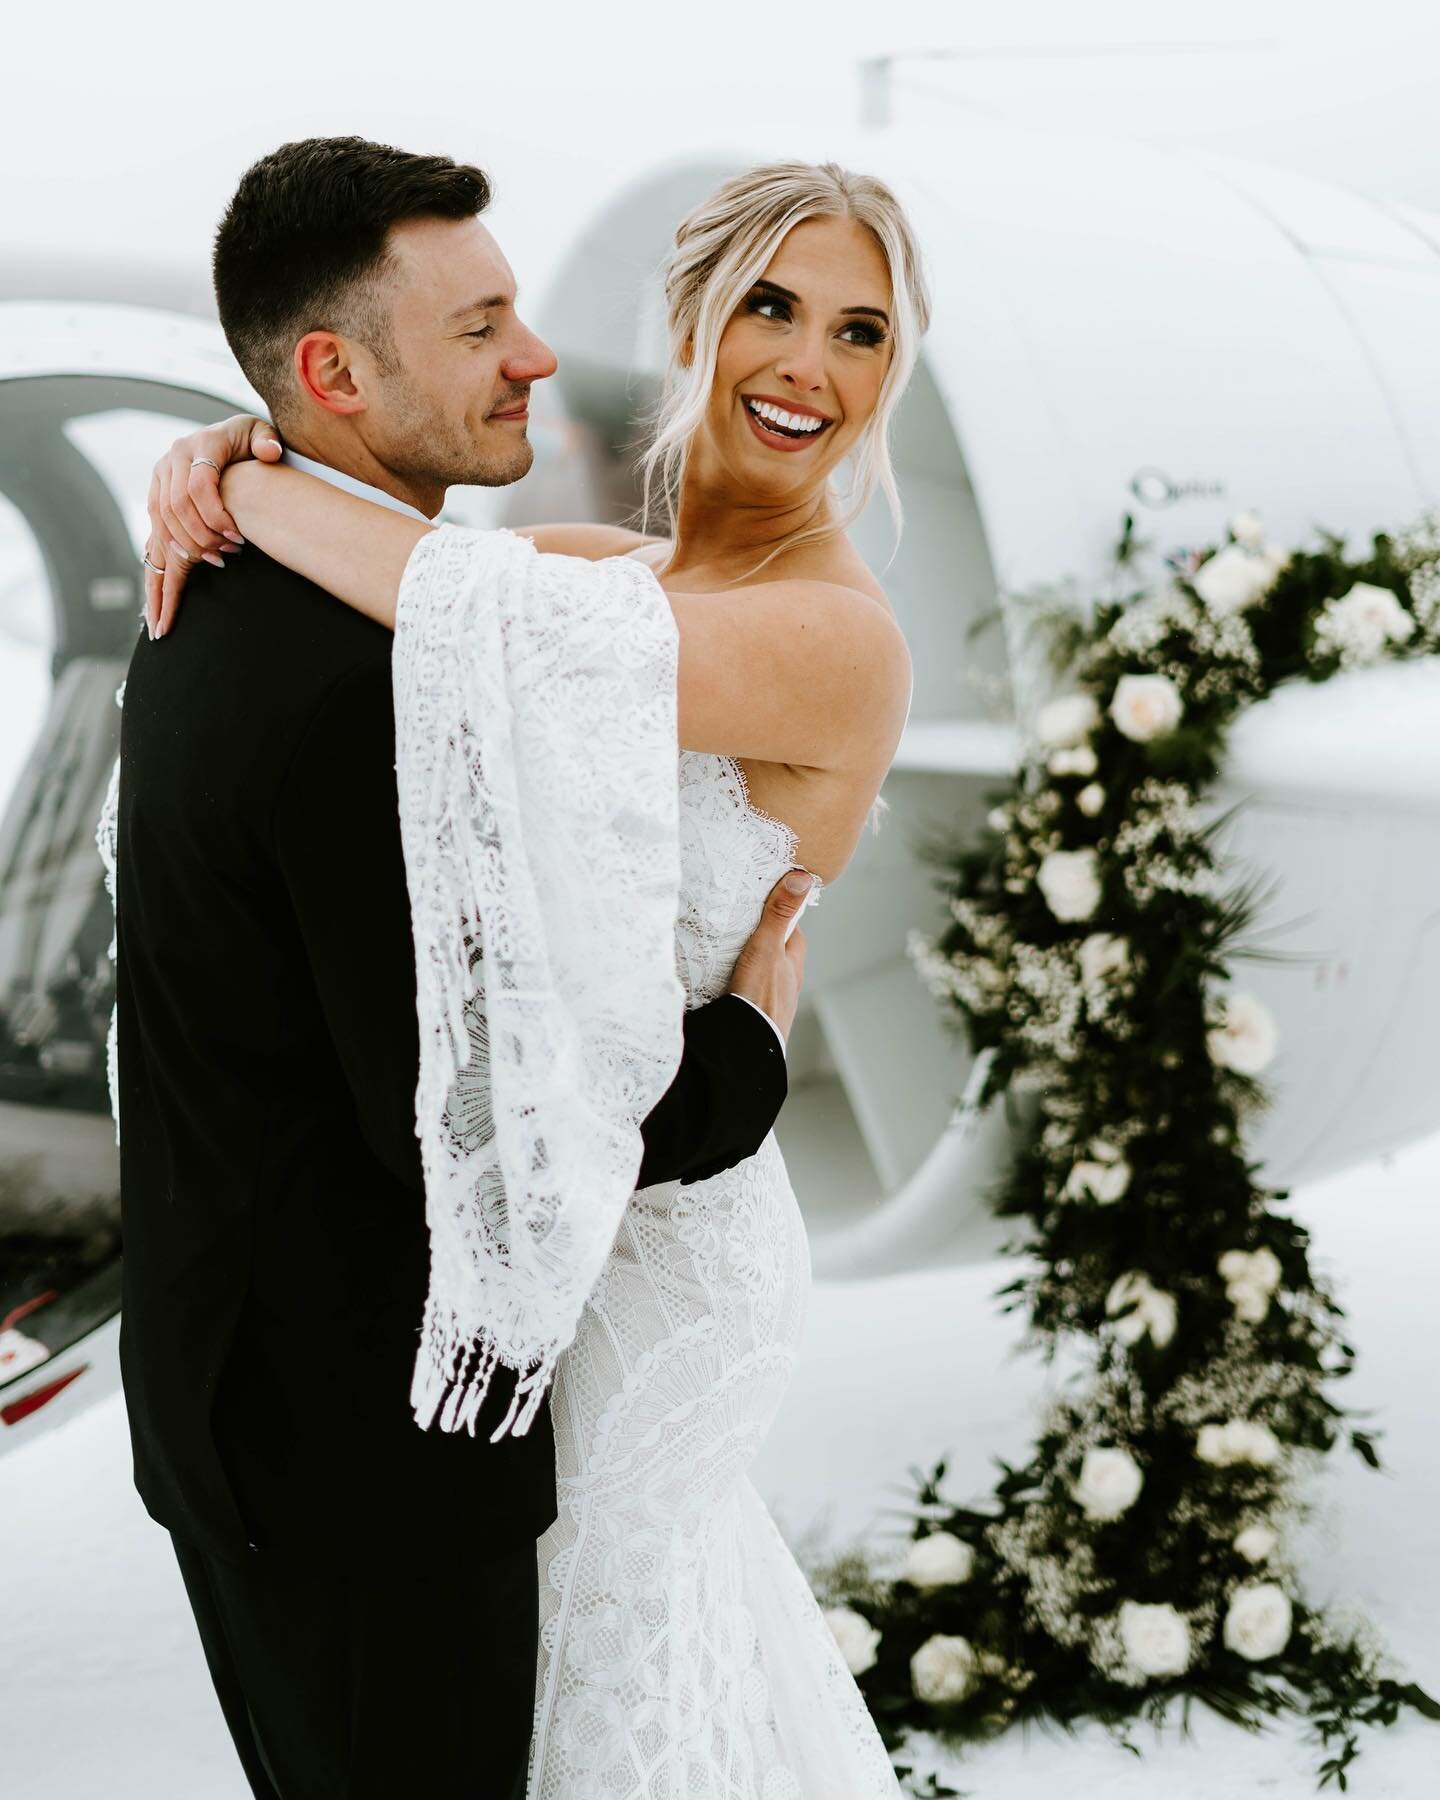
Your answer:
<point x="195" y="461"/>
<point x="154" y="568"/>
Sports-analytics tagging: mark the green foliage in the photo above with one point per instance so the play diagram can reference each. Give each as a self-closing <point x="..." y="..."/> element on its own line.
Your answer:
<point x="1121" y="1014"/>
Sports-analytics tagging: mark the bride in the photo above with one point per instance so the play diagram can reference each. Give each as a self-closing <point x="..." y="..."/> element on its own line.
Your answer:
<point x="682" y="1652"/>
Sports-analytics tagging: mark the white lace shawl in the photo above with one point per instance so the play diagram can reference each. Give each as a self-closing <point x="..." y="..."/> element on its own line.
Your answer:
<point x="536" y="753"/>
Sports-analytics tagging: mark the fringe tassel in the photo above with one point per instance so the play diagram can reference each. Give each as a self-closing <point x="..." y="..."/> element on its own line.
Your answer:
<point x="452" y="1377"/>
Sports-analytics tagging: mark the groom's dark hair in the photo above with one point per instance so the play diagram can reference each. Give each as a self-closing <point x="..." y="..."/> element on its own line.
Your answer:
<point x="303" y="247"/>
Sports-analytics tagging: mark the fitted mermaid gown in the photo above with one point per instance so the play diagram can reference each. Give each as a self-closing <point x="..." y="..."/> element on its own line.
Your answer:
<point x="683" y="1655"/>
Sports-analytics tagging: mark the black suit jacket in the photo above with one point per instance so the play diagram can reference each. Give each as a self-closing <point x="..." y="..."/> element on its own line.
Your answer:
<point x="272" y="1201"/>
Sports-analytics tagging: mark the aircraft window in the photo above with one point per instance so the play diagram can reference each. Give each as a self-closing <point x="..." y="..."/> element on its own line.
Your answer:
<point x="124" y="444"/>
<point x="26" y="642"/>
<point x="75" y="459"/>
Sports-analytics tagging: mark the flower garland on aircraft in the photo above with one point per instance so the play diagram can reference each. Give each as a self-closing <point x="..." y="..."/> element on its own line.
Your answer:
<point x="1142" y="1553"/>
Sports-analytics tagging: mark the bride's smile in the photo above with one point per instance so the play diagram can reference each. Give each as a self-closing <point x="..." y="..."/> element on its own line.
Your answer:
<point x="784" y="424"/>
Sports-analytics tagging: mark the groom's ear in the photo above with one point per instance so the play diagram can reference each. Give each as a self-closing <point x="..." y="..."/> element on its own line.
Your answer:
<point x="326" y="374"/>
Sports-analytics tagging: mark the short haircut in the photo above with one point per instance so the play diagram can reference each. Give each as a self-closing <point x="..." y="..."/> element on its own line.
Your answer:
<point x="304" y="246"/>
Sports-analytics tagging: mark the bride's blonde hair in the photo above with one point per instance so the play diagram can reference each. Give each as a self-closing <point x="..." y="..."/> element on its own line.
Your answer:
<point x="722" y="248"/>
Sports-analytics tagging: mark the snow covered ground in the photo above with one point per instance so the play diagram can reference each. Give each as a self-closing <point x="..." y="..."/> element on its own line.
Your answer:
<point x="103" y="1691"/>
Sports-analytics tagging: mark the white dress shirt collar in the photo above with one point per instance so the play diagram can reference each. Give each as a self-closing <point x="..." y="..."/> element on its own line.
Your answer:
<point x="338" y="478"/>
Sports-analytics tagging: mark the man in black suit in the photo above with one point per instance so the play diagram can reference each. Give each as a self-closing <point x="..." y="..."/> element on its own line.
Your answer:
<point x="365" y="1591"/>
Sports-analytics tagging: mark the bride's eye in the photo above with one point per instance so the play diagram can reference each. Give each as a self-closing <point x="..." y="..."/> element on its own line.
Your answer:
<point x="758" y="302"/>
<point x="872" y="335"/>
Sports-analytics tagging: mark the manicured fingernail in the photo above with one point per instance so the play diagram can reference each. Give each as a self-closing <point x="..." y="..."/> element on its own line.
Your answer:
<point x="218" y="561"/>
<point x="235" y="537"/>
<point x="231" y="549"/>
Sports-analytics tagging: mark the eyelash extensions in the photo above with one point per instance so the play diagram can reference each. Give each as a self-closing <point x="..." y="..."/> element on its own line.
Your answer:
<point x="874" y="334"/>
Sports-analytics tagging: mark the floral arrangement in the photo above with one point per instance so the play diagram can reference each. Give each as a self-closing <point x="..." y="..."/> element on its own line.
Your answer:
<point x="1141" y="1553"/>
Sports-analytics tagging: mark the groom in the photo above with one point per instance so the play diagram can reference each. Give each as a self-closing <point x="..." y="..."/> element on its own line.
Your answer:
<point x="365" y="1591"/>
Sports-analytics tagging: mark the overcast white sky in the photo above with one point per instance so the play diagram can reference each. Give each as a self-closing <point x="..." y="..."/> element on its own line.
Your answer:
<point x="123" y="128"/>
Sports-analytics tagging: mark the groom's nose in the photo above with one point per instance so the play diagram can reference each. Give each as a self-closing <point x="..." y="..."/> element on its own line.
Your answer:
<point x="531" y="359"/>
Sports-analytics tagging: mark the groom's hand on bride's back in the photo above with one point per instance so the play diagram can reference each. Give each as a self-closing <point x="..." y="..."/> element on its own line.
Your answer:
<point x="770" y="969"/>
<point x="188" y="519"/>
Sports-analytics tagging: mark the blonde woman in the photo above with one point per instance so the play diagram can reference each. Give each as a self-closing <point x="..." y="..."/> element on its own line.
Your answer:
<point x="681" y="1650"/>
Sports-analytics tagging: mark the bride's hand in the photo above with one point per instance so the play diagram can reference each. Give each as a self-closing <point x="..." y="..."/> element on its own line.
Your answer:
<point x="187" y="517"/>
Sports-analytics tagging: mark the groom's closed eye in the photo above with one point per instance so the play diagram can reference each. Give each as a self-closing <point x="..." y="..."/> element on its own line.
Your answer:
<point x="479" y="309"/>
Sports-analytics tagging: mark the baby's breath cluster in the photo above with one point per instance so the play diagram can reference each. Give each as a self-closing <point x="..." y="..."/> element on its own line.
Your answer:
<point x="1141" y="1552"/>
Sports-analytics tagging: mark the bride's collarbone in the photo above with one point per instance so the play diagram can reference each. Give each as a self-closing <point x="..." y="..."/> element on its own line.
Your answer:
<point x="834" y="570"/>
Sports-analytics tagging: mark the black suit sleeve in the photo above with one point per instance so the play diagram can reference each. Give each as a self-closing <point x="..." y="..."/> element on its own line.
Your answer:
<point x="725" y="1097"/>
<point x="338" y="840"/>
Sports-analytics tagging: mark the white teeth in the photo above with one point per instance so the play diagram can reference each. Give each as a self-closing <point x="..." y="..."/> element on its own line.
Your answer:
<point x="791" y="421"/>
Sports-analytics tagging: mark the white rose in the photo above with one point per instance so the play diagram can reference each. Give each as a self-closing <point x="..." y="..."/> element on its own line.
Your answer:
<point x="1237" y="1441"/>
<point x="1235" y="577"/>
<point x="1254" y="1443"/>
<point x="1251" y="1303"/>
<point x="939" y="1560"/>
<point x="1256" y="1543"/>
<point x="1265" y="1270"/>
<point x="1067" y="720"/>
<point x="1156" y="1639"/>
<point x="1247" y="1037"/>
<point x="1070" y="882"/>
<point x="943" y="1670"/>
<point x="1141" y="1308"/>
<point x="1104" y="1176"/>
<point x="1146" y="706"/>
<point x="1108" y="1484"/>
<point x="1161" y="1313"/>
<point x="998" y="819"/>
<point x="1251" y="1277"/>
<point x="1081" y="760"/>
<point x="1258" y="1268"/>
<point x="1102" y="955"/>
<point x="1278" y="558"/>
<point x="1090" y="799"/>
<point x="1259" y="1621"/>
<point x="1363" y="622"/>
<point x="1248" y="528"/>
<point x="1126" y="1290"/>
<point x="857" y="1637"/>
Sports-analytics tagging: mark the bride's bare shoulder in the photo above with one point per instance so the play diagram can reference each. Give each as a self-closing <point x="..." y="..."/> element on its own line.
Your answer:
<point x="653" y="552"/>
<point x="830" y="564"/>
<point x="593" y="542"/>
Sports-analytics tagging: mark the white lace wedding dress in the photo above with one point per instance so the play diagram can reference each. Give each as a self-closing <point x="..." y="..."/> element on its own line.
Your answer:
<point x="683" y="1655"/>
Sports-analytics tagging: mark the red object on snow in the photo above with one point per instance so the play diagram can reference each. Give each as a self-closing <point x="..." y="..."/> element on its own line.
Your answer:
<point x="38" y="1397"/>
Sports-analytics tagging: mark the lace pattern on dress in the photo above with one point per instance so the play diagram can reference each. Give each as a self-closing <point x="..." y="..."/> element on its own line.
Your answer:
<point x="733" y="854"/>
<point x="683" y="1655"/>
